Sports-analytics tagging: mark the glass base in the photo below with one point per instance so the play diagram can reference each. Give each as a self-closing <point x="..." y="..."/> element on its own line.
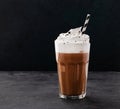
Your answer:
<point x="72" y="97"/>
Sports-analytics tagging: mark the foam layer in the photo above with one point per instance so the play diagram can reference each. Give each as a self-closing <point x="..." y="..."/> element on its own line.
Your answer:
<point x="72" y="42"/>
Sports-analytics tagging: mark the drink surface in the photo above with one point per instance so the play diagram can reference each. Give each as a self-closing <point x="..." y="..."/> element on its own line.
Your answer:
<point x="72" y="72"/>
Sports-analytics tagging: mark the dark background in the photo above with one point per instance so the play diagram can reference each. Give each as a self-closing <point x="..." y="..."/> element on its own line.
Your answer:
<point x="28" y="29"/>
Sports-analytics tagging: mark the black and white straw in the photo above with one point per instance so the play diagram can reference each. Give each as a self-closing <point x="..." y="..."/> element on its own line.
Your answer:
<point x="83" y="29"/>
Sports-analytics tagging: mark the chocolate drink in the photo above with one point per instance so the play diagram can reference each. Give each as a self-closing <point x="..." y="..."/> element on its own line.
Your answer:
<point x="72" y="56"/>
<point x="72" y="73"/>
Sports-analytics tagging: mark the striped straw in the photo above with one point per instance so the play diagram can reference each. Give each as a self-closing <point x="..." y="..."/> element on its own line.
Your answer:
<point x="83" y="29"/>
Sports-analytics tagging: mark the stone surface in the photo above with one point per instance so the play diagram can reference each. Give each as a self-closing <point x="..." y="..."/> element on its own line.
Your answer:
<point x="39" y="90"/>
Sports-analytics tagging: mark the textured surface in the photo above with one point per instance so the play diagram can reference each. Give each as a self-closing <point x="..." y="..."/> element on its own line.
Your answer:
<point x="39" y="90"/>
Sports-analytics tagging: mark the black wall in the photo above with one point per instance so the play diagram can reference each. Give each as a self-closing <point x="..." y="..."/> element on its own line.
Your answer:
<point x="28" y="29"/>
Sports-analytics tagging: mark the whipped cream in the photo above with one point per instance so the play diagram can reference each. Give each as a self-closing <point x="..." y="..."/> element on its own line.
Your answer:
<point x="72" y="42"/>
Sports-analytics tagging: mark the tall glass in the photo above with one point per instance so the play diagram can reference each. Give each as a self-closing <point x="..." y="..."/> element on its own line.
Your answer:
<point x="72" y="64"/>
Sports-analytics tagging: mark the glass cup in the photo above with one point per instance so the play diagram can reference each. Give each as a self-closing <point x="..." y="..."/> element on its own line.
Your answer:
<point x="72" y="69"/>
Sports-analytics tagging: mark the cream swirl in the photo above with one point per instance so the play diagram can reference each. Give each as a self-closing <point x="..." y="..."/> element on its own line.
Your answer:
<point x="72" y="42"/>
<point x="73" y="36"/>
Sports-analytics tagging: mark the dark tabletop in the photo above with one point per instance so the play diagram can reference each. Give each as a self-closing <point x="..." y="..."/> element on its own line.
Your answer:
<point x="39" y="90"/>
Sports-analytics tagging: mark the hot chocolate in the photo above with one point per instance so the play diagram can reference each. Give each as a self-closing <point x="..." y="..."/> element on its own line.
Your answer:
<point x="72" y="56"/>
<point x="72" y="71"/>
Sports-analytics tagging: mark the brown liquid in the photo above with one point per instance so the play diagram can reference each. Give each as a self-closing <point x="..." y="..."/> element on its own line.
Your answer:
<point x="72" y="70"/>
